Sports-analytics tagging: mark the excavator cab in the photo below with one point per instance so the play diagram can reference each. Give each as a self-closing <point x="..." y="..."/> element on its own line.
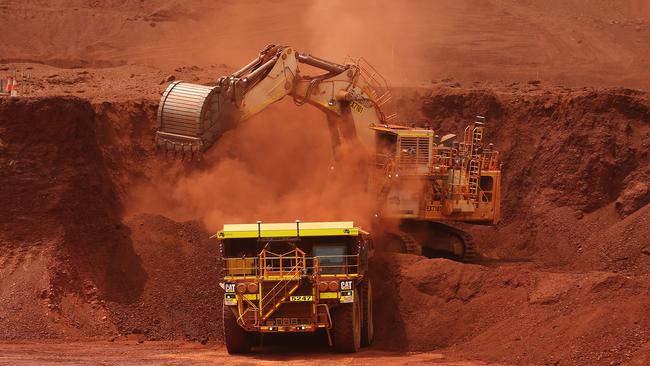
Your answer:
<point x="425" y="182"/>
<point x="419" y="175"/>
<point x="296" y="277"/>
<point x="403" y="149"/>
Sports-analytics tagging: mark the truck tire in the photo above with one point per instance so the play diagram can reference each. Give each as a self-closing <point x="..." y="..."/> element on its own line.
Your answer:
<point x="368" y="328"/>
<point x="237" y="340"/>
<point x="346" y="327"/>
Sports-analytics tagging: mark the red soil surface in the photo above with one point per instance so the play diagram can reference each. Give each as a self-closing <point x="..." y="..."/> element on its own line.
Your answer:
<point x="130" y="352"/>
<point x="102" y="237"/>
<point x="567" y="265"/>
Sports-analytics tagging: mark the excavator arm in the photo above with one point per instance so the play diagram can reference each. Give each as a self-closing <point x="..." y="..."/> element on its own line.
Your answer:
<point x="192" y="117"/>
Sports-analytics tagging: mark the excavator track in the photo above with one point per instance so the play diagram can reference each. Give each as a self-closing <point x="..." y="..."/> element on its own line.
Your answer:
<point x="413" y="246"/>
<point x="470" y="254"/>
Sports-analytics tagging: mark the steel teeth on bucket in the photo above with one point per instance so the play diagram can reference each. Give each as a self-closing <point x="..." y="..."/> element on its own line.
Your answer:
<point x="189" y="151"/>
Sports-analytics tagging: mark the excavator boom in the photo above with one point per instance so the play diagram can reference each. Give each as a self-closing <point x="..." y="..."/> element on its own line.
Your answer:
<point x="192" y="117"/>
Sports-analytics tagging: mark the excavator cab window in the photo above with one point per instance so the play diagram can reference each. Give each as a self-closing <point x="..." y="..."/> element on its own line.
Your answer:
<point x="385" y="147"/>
<point x="486" y="184"/>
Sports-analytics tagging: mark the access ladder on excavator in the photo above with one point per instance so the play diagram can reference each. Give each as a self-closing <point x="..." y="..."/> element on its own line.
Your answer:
<point x="474" y="139"/>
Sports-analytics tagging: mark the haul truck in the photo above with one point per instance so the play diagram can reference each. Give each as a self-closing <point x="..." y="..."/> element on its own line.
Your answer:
<point x="299" y="277"/>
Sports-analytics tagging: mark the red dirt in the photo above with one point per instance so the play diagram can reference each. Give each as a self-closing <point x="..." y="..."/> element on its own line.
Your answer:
<point x="91" y="269"/>
<point x="102" y="237"/>
<point x="130" y="352"/>
<point x="573" y="43"/>
<point x="574" y="261"/>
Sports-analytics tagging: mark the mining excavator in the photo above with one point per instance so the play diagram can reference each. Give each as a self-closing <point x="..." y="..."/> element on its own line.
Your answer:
<point x="425" y="183"/>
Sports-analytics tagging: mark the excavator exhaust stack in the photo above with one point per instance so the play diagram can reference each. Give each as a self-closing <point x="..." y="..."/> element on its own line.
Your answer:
<point x="191" y="118"/>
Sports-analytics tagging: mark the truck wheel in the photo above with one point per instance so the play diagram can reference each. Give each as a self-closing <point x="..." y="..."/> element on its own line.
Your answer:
<point x="368" y="328"/>
<point x="346" y="327"/>
<point x="237" y="340"/>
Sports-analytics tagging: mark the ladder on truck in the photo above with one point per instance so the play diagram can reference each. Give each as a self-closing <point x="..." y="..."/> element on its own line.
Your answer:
<point x="281" y="275"/>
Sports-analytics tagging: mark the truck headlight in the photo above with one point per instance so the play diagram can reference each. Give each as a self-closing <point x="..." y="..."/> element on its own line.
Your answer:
<point x="347" y="297"/>
<point x="252" y="287"/>
<point x="333" y="286"/>
<point x="241" y="288"/>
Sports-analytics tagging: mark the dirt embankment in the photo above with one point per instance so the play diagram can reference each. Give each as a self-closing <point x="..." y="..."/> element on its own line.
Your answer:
<point x="576" y="172"/>
<point x="566" y="277"/>
<point x="72" y="265"/>
<point x="567" y="265"/>
<point x="514" y="313"/>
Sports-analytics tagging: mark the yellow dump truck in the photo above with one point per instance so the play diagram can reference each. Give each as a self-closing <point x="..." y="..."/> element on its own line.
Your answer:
<point x="296" y="277"/>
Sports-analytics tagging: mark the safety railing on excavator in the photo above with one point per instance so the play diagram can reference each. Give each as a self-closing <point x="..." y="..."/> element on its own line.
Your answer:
<point x="445" y="157"/>
<point x="490" y="160"/>
<point x="442" y="159"/>
<point x="377" y="85"/>
<point x="473" y="134"/>
<point x="282" y="267"/>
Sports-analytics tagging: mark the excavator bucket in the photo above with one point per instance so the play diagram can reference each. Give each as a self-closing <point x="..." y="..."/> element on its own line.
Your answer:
<point x="191" y="117"/>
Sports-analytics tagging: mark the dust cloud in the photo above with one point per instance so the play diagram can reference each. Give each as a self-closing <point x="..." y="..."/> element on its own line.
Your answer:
<point x="386" y="33"/>
<point x="277" y="166"/>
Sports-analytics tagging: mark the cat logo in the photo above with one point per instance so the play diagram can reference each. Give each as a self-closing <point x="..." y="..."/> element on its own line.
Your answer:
<point x="346" y="285"/>
<point x="229" y="287"/>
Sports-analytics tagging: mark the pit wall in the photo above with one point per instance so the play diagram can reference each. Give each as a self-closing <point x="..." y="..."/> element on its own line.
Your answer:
<point x="571" y="248"/>
<point x="72" y="264"/>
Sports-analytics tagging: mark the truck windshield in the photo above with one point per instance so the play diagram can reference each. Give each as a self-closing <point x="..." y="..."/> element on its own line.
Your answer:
<point x="331" y="258"/>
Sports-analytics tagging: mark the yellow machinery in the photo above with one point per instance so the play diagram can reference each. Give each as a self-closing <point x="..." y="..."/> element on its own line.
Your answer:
<point x="296" y="277"/>
<point x="423" y="182"/>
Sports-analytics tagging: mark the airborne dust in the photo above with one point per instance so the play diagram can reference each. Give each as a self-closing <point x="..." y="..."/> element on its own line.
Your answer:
<point x="278" y="166"/>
